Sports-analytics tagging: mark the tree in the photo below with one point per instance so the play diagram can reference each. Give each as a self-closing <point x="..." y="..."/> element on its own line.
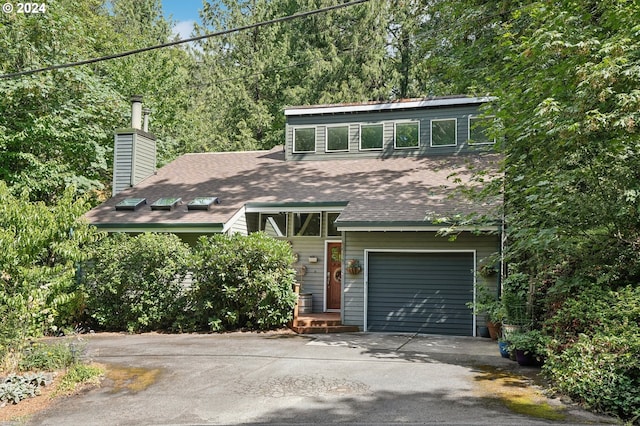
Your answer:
<point x="40" y="249"/>
<point x="247" y="78"/>
<point x="55" y="128"/>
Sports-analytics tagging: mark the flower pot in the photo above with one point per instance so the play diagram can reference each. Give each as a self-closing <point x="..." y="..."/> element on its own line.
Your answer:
<point x="504" y="349"/>
<point x="354" y="270"/>
<point x="494" y="329"/>
<point x="509" y="329"/>
<point x="525" y="358"/>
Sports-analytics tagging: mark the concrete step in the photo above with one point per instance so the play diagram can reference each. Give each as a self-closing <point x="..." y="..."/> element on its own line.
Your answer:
<point x="323" y="329"/>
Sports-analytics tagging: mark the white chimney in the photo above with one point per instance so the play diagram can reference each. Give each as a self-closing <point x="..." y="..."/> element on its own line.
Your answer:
<point x="136" y="112"/>
<point x="145" y="121"/>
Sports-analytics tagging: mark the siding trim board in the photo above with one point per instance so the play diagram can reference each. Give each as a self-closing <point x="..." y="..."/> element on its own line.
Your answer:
<point x="367" y="268"/>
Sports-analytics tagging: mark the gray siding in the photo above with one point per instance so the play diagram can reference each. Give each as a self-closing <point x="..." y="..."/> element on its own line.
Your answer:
<point x="134" y="159"/>
<point x="123" y="158"/>
<point x="144" y="158"/>
<point x="387" y="118"/>
<point x="355" y="244"/>
<point x="239" y="226"/>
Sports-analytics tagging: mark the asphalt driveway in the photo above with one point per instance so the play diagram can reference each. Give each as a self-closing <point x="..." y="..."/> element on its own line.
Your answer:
<point x="235" y="378"/>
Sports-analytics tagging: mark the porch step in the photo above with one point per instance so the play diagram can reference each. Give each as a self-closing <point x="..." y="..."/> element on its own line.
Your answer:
<point x="319" y="329"/>
<point x="317" y="323"/>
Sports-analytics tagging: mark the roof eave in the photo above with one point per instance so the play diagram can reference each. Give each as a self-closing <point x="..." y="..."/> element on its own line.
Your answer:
<point x="161" y="227"/>
<point x="424" y="103"/>
<point x="384" y="226"/>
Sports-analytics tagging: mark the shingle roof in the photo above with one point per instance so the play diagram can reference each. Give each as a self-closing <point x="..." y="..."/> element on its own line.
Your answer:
<point x="377" y="190"/>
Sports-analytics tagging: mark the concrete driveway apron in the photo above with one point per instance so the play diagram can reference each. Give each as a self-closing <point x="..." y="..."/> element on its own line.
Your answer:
<point x="257" y="378"/>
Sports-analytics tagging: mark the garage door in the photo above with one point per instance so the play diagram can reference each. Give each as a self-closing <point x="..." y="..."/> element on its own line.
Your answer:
<point x="420" y="293"/>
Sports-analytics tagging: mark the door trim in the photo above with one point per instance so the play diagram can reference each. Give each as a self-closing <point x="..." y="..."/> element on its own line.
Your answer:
<point x="326" y="266"/>
<point x="366" y="276"/>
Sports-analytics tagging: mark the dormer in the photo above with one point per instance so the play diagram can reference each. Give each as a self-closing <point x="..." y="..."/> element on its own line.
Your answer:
<point x="403" y="128"/>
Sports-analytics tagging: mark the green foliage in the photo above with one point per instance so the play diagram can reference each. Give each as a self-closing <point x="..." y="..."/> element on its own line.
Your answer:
<point x="40" y="247"/>
<point x="80" y="374"/>
<point x="593" y="357"/>
<point x="515" y="297"/>
<point x="531" y="342"/>
<point x="242" y="282"/>
<point x="135" y="283"/>
<point x="488" y="304"/>
<point x="48" y="357"/>
<point x="16" y="388"/>
<point x="602" y="371"/>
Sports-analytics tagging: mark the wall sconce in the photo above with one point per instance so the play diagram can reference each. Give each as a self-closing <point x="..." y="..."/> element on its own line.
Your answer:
<point x="313" y="259"/>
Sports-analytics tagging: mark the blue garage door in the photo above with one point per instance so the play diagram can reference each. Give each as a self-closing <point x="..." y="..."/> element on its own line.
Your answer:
<point x="420" y="293"/>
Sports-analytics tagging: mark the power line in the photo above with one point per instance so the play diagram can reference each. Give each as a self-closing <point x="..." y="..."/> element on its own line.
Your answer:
<point x="189" y="40"/>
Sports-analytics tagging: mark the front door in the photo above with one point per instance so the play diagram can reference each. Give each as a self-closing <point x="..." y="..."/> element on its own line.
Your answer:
<point x="334" y="275"/>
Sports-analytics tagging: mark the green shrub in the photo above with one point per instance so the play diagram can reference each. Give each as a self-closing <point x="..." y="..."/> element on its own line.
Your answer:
<point x="135" y="283"/>
<point x="594" y="356"/>
<point x="40" y="247"/>
<point x="242" y="282"/>
<point x="48" y="357"/>
<point x="602" y="371"/>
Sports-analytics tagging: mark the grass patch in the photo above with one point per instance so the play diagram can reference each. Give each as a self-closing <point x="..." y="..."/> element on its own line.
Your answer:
<point x="80" y="375"/>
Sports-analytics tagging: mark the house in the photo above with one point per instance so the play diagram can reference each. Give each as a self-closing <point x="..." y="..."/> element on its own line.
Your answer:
<point x="367" y="185"/>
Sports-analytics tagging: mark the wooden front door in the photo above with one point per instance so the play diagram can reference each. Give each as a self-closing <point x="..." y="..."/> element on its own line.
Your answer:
<point x="334" y="275"/>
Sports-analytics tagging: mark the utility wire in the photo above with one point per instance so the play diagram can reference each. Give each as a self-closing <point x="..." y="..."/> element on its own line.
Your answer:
<point x="189" y="40"/>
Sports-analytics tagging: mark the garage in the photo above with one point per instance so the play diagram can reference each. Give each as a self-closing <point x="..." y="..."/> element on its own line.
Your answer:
<point x="420" y="292"/>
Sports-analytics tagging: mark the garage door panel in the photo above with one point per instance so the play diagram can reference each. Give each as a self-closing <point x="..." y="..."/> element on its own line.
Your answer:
<point x="420" y="292"/>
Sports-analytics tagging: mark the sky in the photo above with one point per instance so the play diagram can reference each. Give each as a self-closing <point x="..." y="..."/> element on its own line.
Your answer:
<point x="184" y="14"/>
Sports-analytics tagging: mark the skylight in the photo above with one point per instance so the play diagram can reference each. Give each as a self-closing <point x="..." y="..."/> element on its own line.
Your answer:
<point x="202" y="203"/>
<point x="131" y="203"/>
<point x="165" y="203"/>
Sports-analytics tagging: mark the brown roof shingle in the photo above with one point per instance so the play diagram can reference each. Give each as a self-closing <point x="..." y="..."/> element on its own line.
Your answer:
<point x="388" y="190"/>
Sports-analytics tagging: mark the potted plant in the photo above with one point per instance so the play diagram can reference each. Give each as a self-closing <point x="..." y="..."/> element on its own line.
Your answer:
<point x="487" y="304"/>
<point x="529" y="346"/>
<point x="353" y="266"/>
<point x="515" y="293"/>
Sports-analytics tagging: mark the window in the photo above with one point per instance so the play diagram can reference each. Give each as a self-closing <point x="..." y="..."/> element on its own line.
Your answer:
<point x="274" y="225"/>
<point x="443" y="132"/>
<point x="407" y="135"/>
<point x="337" y="138"/>
<point x="166" y="203"/>
<point x="332" y="231"/>
<point x="306" y="224"/>
<point x="478" y="130"/>
<point x="202" y="203"/>
<point x="304" y="139"/>
<point x="371" y="136"/>
<point x="131" y="203"/>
